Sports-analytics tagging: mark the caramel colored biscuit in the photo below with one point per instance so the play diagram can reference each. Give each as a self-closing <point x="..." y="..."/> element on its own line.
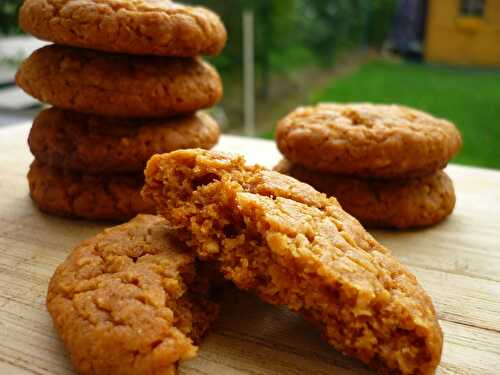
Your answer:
<point x="154" y="27"/>
<point x="368" y="140"/>
<point x="126" y="301"/>
<point x="95" y="144"/>
<point x="119" y="85"/>
<point x="403" y="203"/>
<point x="93" y="197"/>
<point x="293" y="246"/>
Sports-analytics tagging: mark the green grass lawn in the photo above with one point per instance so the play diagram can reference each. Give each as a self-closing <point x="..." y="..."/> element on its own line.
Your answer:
<point x="470" y="98"/>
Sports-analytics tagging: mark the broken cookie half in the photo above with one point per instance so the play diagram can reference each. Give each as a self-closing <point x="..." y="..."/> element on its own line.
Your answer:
<point x="130" y="301"/>
<point x="293" y="246"/>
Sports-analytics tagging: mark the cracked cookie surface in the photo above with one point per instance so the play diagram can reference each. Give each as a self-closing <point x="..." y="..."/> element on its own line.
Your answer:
<point x="144" y="27"/>
<point x="293" y="246"/>
<point x="119" y="85"/>
<point x="368" y="140"/>
<point x="402" y="203"/>
<point x="129" y="302"/>
<point x="96" y="144"/>
<point x="94" y="197"/>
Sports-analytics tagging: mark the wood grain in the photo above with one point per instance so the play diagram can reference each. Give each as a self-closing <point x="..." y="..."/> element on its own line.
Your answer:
<point x="457" y="262"/>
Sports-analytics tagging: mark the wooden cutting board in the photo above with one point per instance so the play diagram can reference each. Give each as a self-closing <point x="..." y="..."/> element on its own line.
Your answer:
<point x="457" y="262"/>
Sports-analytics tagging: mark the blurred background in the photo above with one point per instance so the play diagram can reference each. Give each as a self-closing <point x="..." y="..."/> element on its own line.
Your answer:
<point x="442" y="56"/>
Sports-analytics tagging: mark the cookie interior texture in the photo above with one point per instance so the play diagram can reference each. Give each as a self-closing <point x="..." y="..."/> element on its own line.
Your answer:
<point x="396" y="203"/>
<point x="145" y="27"/>
<point x="129" y="301"/>
<point x="367" y="140"/>
<point x="97" y="144"/>
<point x="293" y="246"/>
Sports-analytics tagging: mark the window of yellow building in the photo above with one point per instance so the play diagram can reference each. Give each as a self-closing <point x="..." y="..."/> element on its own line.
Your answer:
<point x="472" y="8"/>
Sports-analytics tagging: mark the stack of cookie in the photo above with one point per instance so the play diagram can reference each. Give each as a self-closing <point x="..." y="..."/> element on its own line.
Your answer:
<point x="125" y="82"/>
<point x="382" y="162"/>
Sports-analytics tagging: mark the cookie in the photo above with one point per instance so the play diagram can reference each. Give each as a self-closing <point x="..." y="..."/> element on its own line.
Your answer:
<point x="402" y="204"/>
<point x="293" y="246"/>
<point x="96" y="144"/>
<point x="119" y="85"/>
<point x="127" y="301"/>
<point x="383" y="141"/>
<point x="158" y="27"/>
<point x="94" y="197"/>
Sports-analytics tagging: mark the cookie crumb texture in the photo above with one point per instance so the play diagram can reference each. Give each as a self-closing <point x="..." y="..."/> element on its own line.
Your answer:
<point x="158" y="27"/>
<point x="293" y="246"/>
<point x="96" y="144"/>
<point x="402" y="204"/>
<point x="368" y="140"/>
<point x="119" y="85"/>
<point x="93" y="197"/>
<point x="122" y="301"/>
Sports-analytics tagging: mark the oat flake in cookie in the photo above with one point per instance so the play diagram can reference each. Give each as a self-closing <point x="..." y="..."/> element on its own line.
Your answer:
<point x="367" y="140"/>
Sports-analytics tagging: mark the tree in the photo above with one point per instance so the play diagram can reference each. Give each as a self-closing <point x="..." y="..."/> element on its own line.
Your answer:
<point x="9" y="10"/>
<point x="274" y="21"/>
<point x="381" y="19"/>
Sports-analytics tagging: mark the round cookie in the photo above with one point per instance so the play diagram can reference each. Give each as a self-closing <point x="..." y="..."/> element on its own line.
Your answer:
<point x="403" y="203"/>
<point x="95" y="144"/>
<point x="128" y="301"/>
<point x="144" y="27"/>
<point x="368" y="140"/>
<point x="119" y="85"/>
<point x="71" y="194"/>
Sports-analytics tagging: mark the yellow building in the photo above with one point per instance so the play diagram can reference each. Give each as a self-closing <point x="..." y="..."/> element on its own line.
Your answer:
<point x="463" y="32"/>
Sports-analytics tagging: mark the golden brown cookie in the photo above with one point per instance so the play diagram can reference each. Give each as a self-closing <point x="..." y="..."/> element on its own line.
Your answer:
<point x="94" y="197"/>
<point x="403" y="203"/>
<point x="383" y="141"/>
<point x="96" y="144"/>
<point x="119" y="85"/>
<point x="144" y="27"/>
<point x="127" y="301"/>
<point x="293" y="246"/>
